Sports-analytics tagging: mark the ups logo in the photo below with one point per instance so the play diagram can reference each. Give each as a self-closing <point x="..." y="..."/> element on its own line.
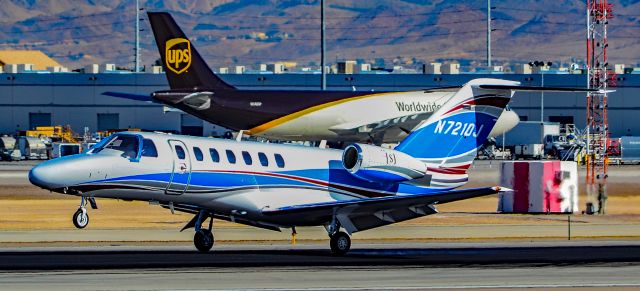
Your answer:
<point x="178" y="55"/>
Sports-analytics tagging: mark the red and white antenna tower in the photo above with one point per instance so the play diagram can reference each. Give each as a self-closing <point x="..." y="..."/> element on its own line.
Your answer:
<point x="598" y="14"/>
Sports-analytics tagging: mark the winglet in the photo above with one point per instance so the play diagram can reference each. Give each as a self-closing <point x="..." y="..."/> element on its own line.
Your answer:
<point x="501" y="189"/>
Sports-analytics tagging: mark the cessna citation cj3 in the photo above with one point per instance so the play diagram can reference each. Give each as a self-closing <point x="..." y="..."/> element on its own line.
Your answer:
<point x="276" y="186"/>
<point x="288" y="115"/>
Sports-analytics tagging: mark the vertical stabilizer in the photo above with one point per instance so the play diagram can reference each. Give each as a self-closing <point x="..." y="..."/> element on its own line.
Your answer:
<point x="183" y="65"/>
<point x="449" y="139"/>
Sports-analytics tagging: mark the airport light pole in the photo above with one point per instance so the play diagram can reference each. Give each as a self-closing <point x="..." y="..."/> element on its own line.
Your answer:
<point x="489" y="30"/>
<point x="541" y="65"/>
<point x="137" y="56"/>
<point x="323" y="82"/>
<point x="541" y="97"/>
<point x="137" y="49"/>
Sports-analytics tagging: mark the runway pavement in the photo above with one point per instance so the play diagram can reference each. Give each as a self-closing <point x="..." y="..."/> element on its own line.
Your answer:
<point x="407" y="254"/>
<point x="371" y="267"/>
<point x="592" y="277"/>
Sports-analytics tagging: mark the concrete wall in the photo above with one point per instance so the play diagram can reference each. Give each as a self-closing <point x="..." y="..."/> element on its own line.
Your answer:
<point x="76" y="99"/>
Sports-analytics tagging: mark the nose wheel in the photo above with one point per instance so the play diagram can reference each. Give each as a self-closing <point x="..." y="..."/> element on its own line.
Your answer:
<point x="81" y="218"/>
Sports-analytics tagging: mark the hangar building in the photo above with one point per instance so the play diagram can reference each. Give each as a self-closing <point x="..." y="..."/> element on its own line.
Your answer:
<point x="36" y="98"/>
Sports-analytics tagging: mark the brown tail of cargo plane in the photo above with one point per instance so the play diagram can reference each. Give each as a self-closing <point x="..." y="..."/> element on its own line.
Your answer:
<point x="183" y="65"/>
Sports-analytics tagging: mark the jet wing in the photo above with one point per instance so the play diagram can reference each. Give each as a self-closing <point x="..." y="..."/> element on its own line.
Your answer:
<point x="362" y="214"/>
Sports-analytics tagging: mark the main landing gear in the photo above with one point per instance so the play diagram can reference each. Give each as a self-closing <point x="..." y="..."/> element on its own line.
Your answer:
<point x="339" y="240"/>
<point x="340" y="243"/>
<point x="203" y="238"/>
<point x="81" y="217"/>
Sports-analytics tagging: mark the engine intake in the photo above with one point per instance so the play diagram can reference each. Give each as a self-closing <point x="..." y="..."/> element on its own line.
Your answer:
<point x="377" y="164"/>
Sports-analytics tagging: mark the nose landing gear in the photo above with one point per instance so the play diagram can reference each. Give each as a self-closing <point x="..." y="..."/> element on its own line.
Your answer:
<point x="81" y="217"/>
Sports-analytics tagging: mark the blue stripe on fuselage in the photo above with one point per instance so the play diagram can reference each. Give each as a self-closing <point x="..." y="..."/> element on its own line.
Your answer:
<point x="335" y="177"/>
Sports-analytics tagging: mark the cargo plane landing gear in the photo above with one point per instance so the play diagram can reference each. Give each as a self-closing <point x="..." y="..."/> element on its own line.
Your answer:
<point x="81" y="217"/>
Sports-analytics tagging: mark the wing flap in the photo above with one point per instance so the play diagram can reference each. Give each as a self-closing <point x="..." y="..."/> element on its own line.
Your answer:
<point x="363" y="214"/>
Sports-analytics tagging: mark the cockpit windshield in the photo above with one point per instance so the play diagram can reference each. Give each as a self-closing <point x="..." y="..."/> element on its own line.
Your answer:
<point x="129" y="145"/>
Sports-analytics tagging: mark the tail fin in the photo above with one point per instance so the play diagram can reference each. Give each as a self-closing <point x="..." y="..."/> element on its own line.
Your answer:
<point x="448" y="140"/>
<point x="183" y="65"/>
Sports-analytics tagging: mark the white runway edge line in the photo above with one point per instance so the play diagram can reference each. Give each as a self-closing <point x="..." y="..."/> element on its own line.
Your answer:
<point x="524" y="286"/>
<point x="12" y="174"/>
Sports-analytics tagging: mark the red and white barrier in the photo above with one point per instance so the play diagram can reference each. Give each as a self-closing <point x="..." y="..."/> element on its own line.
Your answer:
<point x="539" y="187"/>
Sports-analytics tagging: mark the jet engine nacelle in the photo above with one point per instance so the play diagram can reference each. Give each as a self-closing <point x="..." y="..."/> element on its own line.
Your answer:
<point x="378" y="164"/>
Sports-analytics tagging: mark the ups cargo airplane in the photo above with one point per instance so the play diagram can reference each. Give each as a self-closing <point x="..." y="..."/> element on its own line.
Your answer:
<point x="288" y="115"/>
<point x="276" y="186"/>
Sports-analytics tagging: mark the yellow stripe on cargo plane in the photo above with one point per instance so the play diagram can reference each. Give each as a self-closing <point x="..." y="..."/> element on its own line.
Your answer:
<point x="279" y="121"/>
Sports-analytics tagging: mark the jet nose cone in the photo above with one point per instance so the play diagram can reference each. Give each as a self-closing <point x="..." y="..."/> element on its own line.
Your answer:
<point x="44" y="176"/>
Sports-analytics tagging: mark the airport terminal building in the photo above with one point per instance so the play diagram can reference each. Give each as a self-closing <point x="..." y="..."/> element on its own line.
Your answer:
<point x="39" y="98"/>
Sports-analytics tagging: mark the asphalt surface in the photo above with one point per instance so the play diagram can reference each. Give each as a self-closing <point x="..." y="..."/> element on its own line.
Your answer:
<point x="593" y="265"/>
<point x="405" y="254"/>
<point x="592" y="277"/>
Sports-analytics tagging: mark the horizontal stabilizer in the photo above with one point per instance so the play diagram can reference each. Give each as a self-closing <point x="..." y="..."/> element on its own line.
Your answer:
<point x="536" y="88"/>
<point x="442" y="89"/>
<point x="130" y="96"/>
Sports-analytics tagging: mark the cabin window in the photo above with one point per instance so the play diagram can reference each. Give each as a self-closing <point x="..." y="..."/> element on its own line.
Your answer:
<point x="180" y="152"/>
<point x="231" y="157"/>
<point x="279" y="160"/>
<point x="247" y="158"/>
<point x="263" y="159"/>
<point x="198" y="154"/>
<point x="149" y="148"/>
<point x="215" y="157"/>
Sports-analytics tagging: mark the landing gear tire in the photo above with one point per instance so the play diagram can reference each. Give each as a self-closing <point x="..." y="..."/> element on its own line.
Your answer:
<point x="340" y="243"/>
<point x="80" y="218"/>
<point x="203" y="240"/>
